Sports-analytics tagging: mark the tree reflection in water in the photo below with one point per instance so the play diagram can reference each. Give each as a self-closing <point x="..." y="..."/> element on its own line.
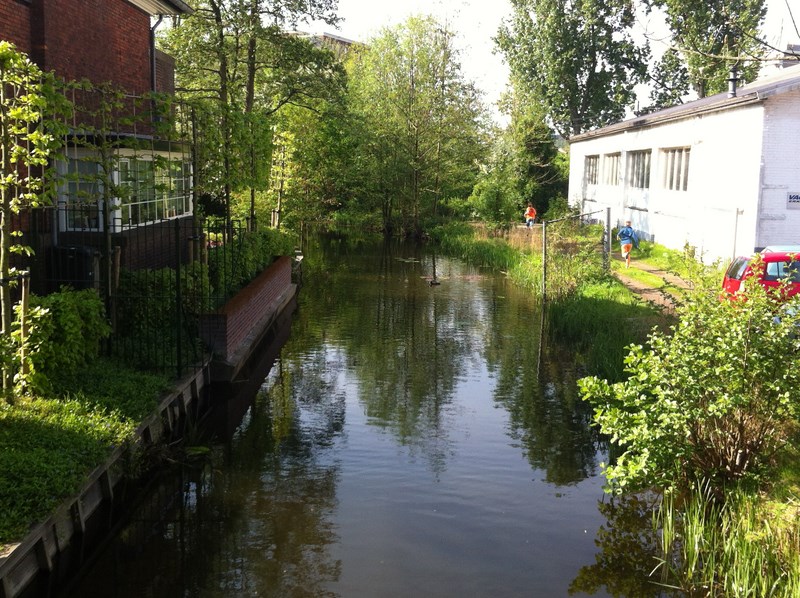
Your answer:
<point x="630" y="551"/>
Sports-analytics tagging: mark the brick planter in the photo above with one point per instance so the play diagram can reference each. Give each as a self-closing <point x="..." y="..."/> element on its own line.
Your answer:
<point x="232" y="331"/>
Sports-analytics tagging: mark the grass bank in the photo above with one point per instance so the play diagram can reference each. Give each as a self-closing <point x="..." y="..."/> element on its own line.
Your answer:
<point x="588" y="309"/>
<point x="49" y="445"/>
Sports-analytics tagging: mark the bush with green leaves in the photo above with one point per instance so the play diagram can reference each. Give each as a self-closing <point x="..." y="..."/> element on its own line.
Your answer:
<point x="234" y="264"/>
<point x="147" y="323"/>
<point x="64" y="334"/>
<point x="714" y="400"/>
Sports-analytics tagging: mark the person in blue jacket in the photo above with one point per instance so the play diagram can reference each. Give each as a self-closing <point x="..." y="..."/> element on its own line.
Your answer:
<point x="627" y="240"/>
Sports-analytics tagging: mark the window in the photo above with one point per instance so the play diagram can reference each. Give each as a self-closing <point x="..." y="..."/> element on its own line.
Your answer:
<point x="676" y="169"/>
<point x="153" y="189"/>
<point x="611" y="169"/>
<point x="781" y="270"/>
<point x="590" y="169"/>
<point x="639" y="169"/>
<point x="81" y="189"/>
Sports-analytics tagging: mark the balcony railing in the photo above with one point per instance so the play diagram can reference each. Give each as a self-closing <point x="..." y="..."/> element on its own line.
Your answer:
<point x="88" y="216"/>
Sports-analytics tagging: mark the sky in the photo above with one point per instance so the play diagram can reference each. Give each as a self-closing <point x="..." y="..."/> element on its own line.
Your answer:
<point x="477" y="21"/>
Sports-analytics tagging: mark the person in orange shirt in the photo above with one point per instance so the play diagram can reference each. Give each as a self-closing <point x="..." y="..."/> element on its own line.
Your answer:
<point x="530" y="215"/>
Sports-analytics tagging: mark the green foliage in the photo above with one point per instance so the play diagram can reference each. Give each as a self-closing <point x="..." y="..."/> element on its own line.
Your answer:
<point x="523" y="168"/>
<point x="558" y="208"/>
<point x="459" y="239"/>
<point x="494" y="200"/>
<point x="232" y="266"/>
<point x="64" y="334"/>
<point x="539" y="175"/>
<point x="726" y="548"/>
<point x="258" y="71"/>
<point x="420" y="124"/>
<point x="147" y="324"/>
<point x="671" y="79"/>
<point x="710" y="37"/>
<point x="600" y="321"/>
<point x="710" y="401"/>
<point x="148" y="329"/>
<point x="577" y="58"/>
<point x="29" y="133"/>
<point x="49" y="445"/>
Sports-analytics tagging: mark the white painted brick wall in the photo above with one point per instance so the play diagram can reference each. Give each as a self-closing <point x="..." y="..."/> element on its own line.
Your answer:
<point x="718" y="212"/>
<point x="778" y="224"/>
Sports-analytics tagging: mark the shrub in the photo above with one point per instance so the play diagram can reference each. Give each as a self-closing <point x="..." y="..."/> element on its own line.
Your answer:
<point x="146" y="314"/>
<point x="64" y="334"/>
<point x="233" y="265"/>
<point x="712" y="401"/>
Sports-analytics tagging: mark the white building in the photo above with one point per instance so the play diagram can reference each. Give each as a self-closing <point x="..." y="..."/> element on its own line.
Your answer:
<point x="721" y="173"/>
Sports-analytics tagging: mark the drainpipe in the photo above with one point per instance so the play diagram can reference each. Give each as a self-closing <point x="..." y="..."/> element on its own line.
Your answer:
<point x="153" y="53"/>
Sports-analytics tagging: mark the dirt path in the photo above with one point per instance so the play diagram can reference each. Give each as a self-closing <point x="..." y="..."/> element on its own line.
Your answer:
<point x="665" y="298"/>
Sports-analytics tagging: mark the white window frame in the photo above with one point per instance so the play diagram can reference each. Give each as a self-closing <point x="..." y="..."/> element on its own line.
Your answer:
<point x="611" y="163"/>
<point x="69" y="201"/>
<point x="591" y="168"/>
<point x="638" y="169"/>
<point x="168" y="196"/>
<point x="676" y="168"/>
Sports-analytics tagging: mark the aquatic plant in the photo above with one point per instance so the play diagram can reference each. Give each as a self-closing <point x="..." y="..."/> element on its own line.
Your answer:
<point x="728" y="547"/>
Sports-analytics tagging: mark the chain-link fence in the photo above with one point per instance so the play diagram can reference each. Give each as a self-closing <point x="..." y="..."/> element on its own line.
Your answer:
<point x="574" y="248"/>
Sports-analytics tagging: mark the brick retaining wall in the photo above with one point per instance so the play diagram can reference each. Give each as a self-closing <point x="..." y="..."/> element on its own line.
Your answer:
<point x="226" y="330"/>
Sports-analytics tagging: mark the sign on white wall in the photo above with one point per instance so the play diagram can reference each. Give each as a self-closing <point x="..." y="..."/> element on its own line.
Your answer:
<point x="793" y="200"/>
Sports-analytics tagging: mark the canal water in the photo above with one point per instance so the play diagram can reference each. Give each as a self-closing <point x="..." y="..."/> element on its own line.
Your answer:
<point x="411" y="439"/>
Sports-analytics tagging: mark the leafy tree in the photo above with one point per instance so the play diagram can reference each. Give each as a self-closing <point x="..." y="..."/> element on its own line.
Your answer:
<point x="423" y="122"/>
<point x="670" y="82"/>
<point x="540" y="177"/>
<point x="236" y="62"/>
<point x="29" y="134"/>
<point x="712" y="36"/>
<point x="576" y="57"/>
<point x="712" y="401"/>
<point x="524" y="166"/>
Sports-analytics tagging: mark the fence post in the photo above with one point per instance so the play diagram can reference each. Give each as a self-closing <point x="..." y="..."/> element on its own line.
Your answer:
<point x="607" y="243"/>
<point x="178" y="298"/>
<point x="544" y="262"/>
<point x="23" y="324"/>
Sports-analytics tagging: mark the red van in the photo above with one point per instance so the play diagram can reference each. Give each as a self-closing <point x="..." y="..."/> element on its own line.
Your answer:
<point x="780" y="262"/>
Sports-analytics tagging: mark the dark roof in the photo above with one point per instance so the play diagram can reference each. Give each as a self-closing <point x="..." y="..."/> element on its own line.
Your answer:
<point x="163" y="7"/>
<point x="787" y="79"/>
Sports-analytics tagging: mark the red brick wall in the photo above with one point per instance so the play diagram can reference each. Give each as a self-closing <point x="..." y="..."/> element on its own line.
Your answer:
<point x="15" y="23"/>
<point x="100" y="40"/>
<point x="226" y="329"/>
<point x="165" y="73"/>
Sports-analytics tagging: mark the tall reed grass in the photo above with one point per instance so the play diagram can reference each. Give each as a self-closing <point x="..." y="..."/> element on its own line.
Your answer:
<point x="727" y="547"/>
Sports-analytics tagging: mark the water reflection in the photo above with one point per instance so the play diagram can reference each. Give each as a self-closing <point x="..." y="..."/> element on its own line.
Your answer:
<point x="412" y="439"/>
<point x="630" y="551"/>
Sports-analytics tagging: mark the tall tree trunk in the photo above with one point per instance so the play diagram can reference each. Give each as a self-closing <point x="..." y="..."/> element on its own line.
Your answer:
<point x="250" y="100"/>
<point x="216" y="8"/>
<point x="5" y="232"/>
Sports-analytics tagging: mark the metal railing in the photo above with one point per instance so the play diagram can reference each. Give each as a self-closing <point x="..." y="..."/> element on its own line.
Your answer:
<point x="157" y="281"/>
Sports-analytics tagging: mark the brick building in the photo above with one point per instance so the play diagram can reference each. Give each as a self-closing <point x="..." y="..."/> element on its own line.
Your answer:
<point x="719" y="173"/>
<point x="109" y="43"/>
<point x="99" y="40"/>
